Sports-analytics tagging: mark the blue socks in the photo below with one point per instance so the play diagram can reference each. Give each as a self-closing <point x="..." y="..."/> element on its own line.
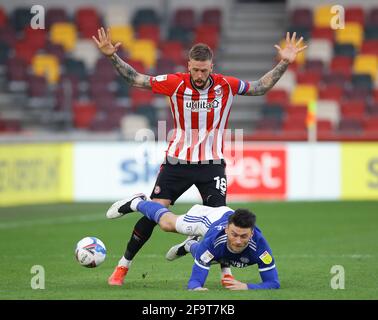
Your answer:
<point x="152" y="210"/>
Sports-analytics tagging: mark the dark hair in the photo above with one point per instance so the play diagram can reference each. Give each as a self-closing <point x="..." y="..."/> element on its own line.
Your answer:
<point x="242" y="218"/>
<point x="201" y="52"/>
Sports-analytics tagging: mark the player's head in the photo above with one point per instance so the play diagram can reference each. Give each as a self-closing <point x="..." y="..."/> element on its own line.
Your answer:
<point x="200" y="64"/>
<point x="240" y="229"/>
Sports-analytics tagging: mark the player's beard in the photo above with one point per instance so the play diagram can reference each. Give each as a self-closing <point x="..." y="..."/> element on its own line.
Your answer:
<point x="199" y="87"/>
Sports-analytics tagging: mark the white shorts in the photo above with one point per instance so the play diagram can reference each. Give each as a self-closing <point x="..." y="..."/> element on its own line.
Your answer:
<point x="198" y="219"/>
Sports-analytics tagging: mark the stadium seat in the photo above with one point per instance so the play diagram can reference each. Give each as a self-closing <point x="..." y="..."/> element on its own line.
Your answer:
<point x="331" y="92"/>
<point x="20" y="18"/>
<point x="277" y="96"/>
<point x="287" y="81"/>
<point x="372" y="109"/>
<point x="296" y="113"/>
<point x="116" y="15"/>
<point x="304" y="94"/>
<point x="37" y="86"/>
<point x="309" y="77"/>
<point x="85" y="51"/>
<point x="351" y="34"/>
<point x="75" y="67"/>
<point x="369" y="47"/>
<point x="184" y="18"/>
<point x="174" y="51"/>
<point x="4" y="52"/>
<point x="123" y="34"/>
<point x="322" y="16"/>
<point x="301" y="17"/>
<point x="164" y="66"/>
<point x="342" y="65"/>
<point x="131" y="124"/>
<point x="46" y="65"/>
<point x="145" y="16"/>
<point x="87" y="21"/>
<point x="66" y="92"/>
<point x="149" y="32"/>
<point x="3" y="18"/>
<point x="64" y="33"/>
<point x="373" y="17"/>
<point x="212" y="16"/>
<point x="329" y="111"/>
<point x="273" y="111"/>
<point x="35" y="38"/>
<point x="350" y="127"/>
<point x="55" y="15"/>
<point x="370" y="124"/>
<point x="16" y="69"/>
<point x="180" y="34"/>
<point x="145" y="51"/>
<point x="140" y="97"/>
<point x="83" y="114"/>
<point x="366" y="64"/>
<point x="319" y="49"/>
<point x="323" y="33"/>
<point x="314" y="65"/>
<point x="24" y="51"/>
<point x="324" y="126"/>
<point x="355" y="14"/>
<point x="57" y="50"/>
<point x="347" y="50"/>
<point x="353" y="110"/>
<point x="361" y="81"/>
<point x="371" y="32"/>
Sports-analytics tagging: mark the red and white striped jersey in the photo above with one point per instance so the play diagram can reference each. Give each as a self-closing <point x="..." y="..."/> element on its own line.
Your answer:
<point x="200" y="116"/>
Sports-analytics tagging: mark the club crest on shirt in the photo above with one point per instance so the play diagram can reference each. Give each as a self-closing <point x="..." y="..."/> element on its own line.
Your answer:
<point x="218" y="92"/>
<point x="266" y="257"/>
<point x="206" y="257"/>
<point x="157" y="190"/>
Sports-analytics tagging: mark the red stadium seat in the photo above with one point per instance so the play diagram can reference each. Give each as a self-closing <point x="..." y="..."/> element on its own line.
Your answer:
<point x="297" y="114"/>
<point x="323" y="33"/>
<point x="309" y="77"/>
<point x="83" y="114"/>
<point x="371" y="124"/>
<point x="36" y="39"/>
<point x="173" y="50"/>
<point x="353" y="110"/>
<point x="324" y="126"/>
<point x="342" y="65"/>
<point x="3" y="18"/>
<point x="369" y="47"/>
<point x="277" y="96"/>
<point x="331" y="92"/>
<point x="301" y="17"/>
<point x="355" y="14"/>
<point x="212" y="16"/>
<point x="140" y="97"/>
<point x="185" y="18"/>
<point x="150" y="32"/>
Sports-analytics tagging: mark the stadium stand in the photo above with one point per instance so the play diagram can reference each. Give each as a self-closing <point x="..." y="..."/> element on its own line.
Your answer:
<point x="58" y="71"/>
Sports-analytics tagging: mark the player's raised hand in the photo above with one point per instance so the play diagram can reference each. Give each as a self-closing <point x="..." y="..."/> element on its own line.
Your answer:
<point x="104" y="43"/>
<point x="292" y="48"/>
<point x="233" y="284"/>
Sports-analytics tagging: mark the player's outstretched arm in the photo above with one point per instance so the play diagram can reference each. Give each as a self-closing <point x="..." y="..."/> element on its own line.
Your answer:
<point x="287" y="55"/>
<point x="133" y="77"/>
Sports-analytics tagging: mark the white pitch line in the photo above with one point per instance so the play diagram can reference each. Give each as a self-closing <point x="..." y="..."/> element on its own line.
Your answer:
<point x="52" y="221"/>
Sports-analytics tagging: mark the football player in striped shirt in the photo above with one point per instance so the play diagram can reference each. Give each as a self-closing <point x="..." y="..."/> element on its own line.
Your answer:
<point x="200" y="102"/>
<point x="228" y="237"/>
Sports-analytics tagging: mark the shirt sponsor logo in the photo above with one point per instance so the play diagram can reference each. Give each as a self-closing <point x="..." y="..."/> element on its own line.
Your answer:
<point x="196" y="106"/>
<point x="160" y="78"/>
<point x="266" y="257"/>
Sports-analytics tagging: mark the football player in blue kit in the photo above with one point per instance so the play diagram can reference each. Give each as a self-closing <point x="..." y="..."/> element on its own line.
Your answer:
<point x="227" y="236"/>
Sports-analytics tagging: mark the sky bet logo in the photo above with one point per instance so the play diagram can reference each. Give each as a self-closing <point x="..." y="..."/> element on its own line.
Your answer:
<point x="195" y="106"/>
<point x="135" y="170"/>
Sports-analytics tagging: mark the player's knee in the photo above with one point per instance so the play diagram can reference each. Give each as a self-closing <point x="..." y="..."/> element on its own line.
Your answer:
<point x="167" y="224"/>
<point x="214" y="200"/>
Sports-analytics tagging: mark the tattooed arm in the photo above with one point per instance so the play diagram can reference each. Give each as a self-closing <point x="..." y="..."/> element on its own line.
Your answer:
<point x="129" y="73"/>
<point x="261" y="86"/>
<point x="125" y="70"/>
<point x="288" y="55"/>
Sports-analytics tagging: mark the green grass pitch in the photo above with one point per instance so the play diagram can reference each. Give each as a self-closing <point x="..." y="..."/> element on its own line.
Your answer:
<point x="307" y="239"/>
